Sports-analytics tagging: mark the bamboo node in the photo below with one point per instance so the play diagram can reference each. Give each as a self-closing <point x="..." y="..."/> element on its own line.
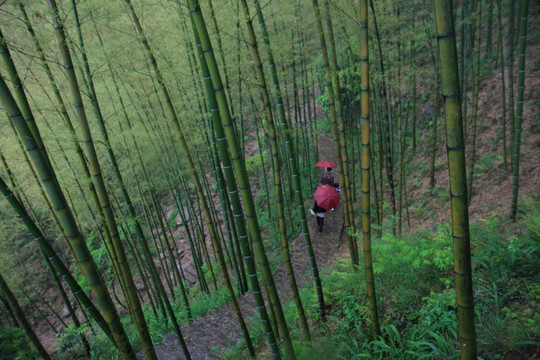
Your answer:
<point x="446" y="35"/>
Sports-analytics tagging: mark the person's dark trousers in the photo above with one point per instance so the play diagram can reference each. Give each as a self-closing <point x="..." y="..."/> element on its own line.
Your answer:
<point x="320" y="223"/>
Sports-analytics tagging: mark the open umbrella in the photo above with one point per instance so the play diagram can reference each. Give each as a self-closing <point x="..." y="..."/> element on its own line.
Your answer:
<point x="327" y="197"/>
<point x="326" y="164"/>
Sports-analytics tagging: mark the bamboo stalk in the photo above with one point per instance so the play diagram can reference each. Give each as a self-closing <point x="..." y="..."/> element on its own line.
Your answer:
<point x="366" y="214"/>
<point x="519" y="110"/>
<point x="240" y="172"/>
<point x="215" y="111"/>
<point x="458" y="179"/>
<point x="65" y="216"/>
<point x="192" y="168"/>
<point x="51" y="255"/>
<point x="276" y="157"/>
<point x="22" y="318"/>
<point x="124" y="273"/>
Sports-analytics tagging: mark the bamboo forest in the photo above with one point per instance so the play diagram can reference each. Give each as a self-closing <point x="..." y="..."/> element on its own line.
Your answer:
<point x="246" y="179"/>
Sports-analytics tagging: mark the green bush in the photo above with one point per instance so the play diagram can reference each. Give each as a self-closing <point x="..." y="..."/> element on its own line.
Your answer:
<point x="15" y="345"/>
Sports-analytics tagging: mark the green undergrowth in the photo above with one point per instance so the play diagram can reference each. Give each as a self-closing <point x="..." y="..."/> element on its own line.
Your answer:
<point x="15" y="345"/>
<point x="417" y="302"/>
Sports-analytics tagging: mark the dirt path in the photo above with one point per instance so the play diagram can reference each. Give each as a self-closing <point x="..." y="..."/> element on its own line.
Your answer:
<point x="219" y="328"/>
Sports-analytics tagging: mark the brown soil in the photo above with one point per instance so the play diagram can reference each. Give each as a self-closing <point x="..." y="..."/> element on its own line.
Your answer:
<point x="492" y="185"/>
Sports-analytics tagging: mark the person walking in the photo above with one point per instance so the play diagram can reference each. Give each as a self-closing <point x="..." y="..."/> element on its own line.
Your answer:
<point x="320" y="214"/>
<point x="326" y="177"/>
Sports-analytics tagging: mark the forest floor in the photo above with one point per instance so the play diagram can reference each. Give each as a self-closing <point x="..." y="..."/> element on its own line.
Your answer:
<point x="219" y="329"/>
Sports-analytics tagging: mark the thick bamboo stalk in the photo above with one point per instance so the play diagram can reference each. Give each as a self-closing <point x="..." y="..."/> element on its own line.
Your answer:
<point x="458" y="180"/>
<point x="124" y="273"/>
<point x="67" y="121"/>
<point x="366" y="213"/>
<point x="240" y="172"/>
<point x="20" y="94"/>
<point x="65" y="216"/>
<point x="233" y="191"/>
<point x="276" y="159"/>
<point x="334" y="69"/>
<point x="51" y="255"/>
<point x="192" y="168"/>
<point x="335" y="132"/>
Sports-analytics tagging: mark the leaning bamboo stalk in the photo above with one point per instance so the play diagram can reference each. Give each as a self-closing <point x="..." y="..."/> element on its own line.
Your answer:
<point x="277" y="172"/>
<point x="20" y="94"/>
<point x="240" y="172"/>
<point x="334" y="69"/>
<point x="191" y="166"/>
<point x="22" y="318"/>
<point x="335" y="132"/>
<point x="124" y="274"/>
<point x="292" y="159"/>
<point x="80" y="250"/>
<point x="67" y="121"/>
<point x="51" y="255"/>
<point x="233" y="191"/>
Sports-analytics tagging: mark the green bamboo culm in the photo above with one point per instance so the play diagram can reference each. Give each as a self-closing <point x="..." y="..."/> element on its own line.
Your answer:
<point x="277" y="171"/>
<point x="503" y="85"/>
<point x="458" y="179"/>
<point x="123" y="271"/>
<point x="67" y="121"/>
<point x="191" y="165"/>
<point x="162" y="297"/>
<point x="476" y="84"/>
<point x="519" y="109"/>
<point x="20" y="95"/>
<point x="335" y="132"/>
<point x="12" y="300"/>
<point x="334" y="69"/>
<point x="80" y="252"/>
<point x="19" y="199"/>
<point x="286" y="133"/>
<point x="510" y="62"/>
<point x="366" y="159"/>
<point x="241" y="174"/>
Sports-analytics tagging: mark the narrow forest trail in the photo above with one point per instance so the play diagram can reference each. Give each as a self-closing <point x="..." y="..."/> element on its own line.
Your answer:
<point x="207" y="335"/>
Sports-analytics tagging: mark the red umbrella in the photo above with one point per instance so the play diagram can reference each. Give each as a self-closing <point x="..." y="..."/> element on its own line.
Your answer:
<point x="327" y="197"/>
<point x="326" y="164"/>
